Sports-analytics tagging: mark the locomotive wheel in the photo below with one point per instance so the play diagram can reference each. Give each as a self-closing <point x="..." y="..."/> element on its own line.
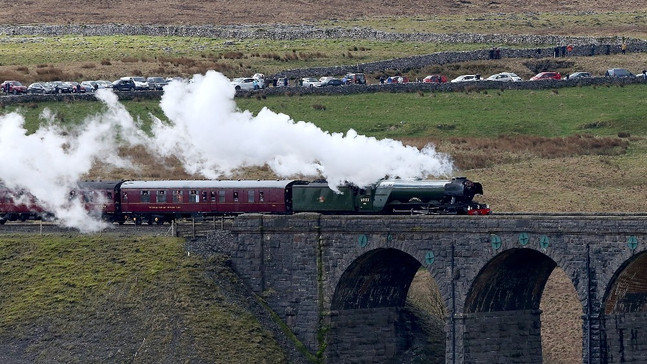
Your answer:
<point x="137" y="220"/>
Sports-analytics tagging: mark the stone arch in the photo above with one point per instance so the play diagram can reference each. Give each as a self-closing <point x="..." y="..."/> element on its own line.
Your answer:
<point x="368" y="319"/>
<point x="378" y="278"/>
<point x="512" y="280"/>
<point x="501" y="312"/>
<point x="625" y="313"/>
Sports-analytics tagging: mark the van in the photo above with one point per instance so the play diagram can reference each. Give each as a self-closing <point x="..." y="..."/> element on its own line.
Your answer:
<point x="618" y="72"/>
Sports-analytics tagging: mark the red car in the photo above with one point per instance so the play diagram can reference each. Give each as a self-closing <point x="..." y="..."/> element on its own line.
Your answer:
<point x="547" y="76"/>
<point x="13" y="87"/>
<point x="435" y="79"/>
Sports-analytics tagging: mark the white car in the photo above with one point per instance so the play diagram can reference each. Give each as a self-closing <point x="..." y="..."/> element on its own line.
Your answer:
<point x="244" y="83"/>
<point x="505" y="76"/>
<point x="467" y="78"/>
<point x="310" y="82"/>
<point x="140" y="82"/>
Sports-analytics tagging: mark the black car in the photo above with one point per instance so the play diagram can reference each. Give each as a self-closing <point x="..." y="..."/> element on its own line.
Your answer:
<point x="40" y="88"/>
<point x="61" y="87"/>
<point x="124" y="85"/>
<point x="333" y="82"/>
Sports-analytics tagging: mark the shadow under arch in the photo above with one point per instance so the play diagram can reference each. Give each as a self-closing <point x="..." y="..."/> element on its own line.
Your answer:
<point x="501" y="313"/>
<point x="379" y="278"/>
<point x="369" y="320"/>
<point x="625" y="313"/>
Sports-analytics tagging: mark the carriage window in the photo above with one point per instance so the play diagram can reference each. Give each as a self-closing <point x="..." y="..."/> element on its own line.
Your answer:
<point x="177" y="196"/>
<point x="194" y="196"/>
<point x="109" y="195"/>
<point x="204" y="196"/>
<point x="235" y="196"/>
<point x="250" y="196"/>
<point x="146" y="197"/>
<point x="221" y="196"/>
<point x="213" y="196"/>
<point x="161" y="196"/>
<point x="261" y="197"/>
<point x="125" y="196"/>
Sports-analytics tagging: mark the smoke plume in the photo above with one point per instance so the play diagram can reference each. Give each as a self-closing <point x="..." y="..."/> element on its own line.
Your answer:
<point x="209" y="135"/>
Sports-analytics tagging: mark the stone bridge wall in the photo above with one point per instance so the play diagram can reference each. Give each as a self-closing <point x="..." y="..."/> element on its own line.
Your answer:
<point x="298" y="262"/>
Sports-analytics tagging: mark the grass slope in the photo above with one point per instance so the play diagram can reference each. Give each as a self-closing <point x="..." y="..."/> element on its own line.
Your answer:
<point x="97" y="299"/>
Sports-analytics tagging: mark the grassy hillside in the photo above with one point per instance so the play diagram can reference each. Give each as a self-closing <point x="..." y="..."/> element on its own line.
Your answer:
<point x="143" y="300"/>
<point x="97" y="299"/>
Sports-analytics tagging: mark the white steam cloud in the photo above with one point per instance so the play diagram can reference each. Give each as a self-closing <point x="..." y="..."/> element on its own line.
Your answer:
<point x="209" y="135"/>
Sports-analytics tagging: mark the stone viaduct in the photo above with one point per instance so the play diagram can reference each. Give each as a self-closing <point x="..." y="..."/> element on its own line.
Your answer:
<point x="340" y="283"/>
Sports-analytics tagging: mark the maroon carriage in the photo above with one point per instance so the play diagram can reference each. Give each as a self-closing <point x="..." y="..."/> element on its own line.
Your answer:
<point x="160" y="201"/>
<point x="100" y="198"/>
<point x="18" y="205"/>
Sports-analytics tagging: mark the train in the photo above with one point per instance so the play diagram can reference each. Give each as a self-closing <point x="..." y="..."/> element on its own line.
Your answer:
<point x="159" y="202"/>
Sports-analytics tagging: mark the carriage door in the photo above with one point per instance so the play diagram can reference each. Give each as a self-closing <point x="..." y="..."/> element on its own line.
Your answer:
<point x="366" y="199"/>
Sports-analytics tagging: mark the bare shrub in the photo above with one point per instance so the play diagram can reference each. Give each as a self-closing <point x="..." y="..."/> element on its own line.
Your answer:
<point x="50" y="73"/>
<point x="88" y="66"/>
<point x="22" y="69"/>
<point x="106" y="62"/>
<point x="233" y="55"/>
<point x="10" y="75"/>
<point x="319" y="107"/>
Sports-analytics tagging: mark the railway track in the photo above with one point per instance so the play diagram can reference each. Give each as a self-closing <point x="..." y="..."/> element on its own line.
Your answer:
<point x="180" y="228"/>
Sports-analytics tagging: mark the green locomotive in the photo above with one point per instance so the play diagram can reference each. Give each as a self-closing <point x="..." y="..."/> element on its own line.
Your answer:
<point x="453" y="196"/>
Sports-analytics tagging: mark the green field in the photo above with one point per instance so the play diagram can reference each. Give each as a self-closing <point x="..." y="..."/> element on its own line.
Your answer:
<point x="439" y="115"/>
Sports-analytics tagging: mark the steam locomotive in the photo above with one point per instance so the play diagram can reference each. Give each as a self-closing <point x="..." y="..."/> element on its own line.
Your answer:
<point x="166" y="200"/>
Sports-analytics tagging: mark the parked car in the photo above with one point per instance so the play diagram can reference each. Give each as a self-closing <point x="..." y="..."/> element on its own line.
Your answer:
<point x="310" y="82"/>
<point x="546" y="76"/>
<point x="243" y="83"/>
<point x="618" y="73"/>
<point x="13" y="87"/>
<point x="434" y="79"/>
<point x="124" y="84"/>
<point x="505" y="76"/>
<point x="76" y="87"/>
<point x="156" y="83"/>
<point x="397" y="79"/>
<point x="467" y="78"/>
<point x="330" y="81"/>
<point x="580" y="75"/>
<point x="61" y="87"/>
<point x="40" y="88"/>
<point x="103" y="84"/>
<point x="89" y="86"/>
<point x="140" y="83"/>
<point x="355" y="78"/>
<point x="282" y="82"/>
